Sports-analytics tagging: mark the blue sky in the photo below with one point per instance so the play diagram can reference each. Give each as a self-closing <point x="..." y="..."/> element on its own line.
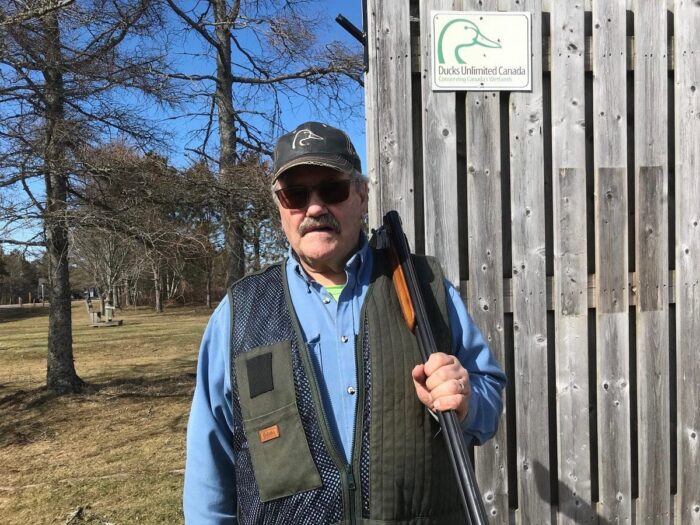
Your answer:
<point x="296" y="110"/>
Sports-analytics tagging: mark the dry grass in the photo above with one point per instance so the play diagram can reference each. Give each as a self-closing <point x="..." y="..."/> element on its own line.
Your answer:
<point x="114" y="454"/>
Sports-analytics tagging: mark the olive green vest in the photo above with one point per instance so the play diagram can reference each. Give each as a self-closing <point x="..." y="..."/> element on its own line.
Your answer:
<point x="290" y="467"/>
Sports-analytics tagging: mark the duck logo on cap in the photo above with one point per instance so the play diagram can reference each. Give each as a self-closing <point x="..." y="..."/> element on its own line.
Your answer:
<point x="303" y="136"/>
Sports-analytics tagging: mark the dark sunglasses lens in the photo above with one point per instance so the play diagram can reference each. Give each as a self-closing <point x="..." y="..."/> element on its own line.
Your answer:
<point x="297" y="197"/>
<point x="293" y="196"/>
<point x="334" y="192"/>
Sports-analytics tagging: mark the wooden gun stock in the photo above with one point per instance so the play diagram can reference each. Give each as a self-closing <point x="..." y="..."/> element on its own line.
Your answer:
<point x="399" y="279"/>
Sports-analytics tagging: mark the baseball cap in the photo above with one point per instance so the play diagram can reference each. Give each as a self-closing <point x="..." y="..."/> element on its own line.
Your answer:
<point x="314" y="143"/>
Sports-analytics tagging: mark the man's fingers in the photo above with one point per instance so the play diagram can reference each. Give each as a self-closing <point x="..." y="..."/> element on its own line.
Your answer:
<point x="418" y="373"/>
<point x="456" y="402"/>
<point x="449" y="387"/>
<point x="442" y="384"/>
<point x="439" y="360"/>
<point x="422" y="391"/>
<point x="450" y="402"/>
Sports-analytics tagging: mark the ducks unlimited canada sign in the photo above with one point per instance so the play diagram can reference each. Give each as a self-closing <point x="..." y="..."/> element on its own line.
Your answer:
<point x="481" y="51"/>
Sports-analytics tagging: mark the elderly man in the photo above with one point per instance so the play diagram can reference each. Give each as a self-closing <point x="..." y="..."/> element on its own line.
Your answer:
<point x="311" y="404"/>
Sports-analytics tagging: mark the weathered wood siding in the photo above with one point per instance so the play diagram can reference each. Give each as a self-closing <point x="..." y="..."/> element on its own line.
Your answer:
<point x="570" y="297"/>
<point x="687" y="255"/>
<point x="569" y="217"/>
<point x="526" y="116"/>
<point x="389" y="41"/>
<point x="440" y="167"/>
<point x="612" y="261"/>
<point x="651" y="242"/>
<point x="485" y="290"/>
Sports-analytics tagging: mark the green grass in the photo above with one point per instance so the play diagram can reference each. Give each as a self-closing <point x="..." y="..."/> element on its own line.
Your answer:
<point x="114" y="454"/>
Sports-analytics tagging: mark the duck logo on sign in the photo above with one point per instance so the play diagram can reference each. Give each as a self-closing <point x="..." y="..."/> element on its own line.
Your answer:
<point x="481" y="51"/>
<point x="469" y="35"/>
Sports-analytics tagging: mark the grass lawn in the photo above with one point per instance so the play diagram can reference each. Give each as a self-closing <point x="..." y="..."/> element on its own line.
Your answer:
<point x="114" y="454"/>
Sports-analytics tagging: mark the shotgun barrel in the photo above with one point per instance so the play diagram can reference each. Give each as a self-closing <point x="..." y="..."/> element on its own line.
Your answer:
<point x="394" y="237"/>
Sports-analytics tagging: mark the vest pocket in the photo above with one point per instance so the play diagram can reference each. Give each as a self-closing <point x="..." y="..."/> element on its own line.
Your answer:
<point x="279" y="451"/>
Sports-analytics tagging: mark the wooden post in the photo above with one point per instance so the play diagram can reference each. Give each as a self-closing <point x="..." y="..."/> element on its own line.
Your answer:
<point x="687" y="164"/>
<point x="529" y="286"/>
<point x="389" y="34"/>
<point x="485" y="297"/>
<point x="570" y="262"/>
<point x="612" y="315"/>
<point x="651" y="226"/>
<point x="374" y="207"/>
<point x="439" y="155"/>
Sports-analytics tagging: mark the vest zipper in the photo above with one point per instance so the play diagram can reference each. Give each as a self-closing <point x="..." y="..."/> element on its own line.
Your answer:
<point x="356" y="449"/>
<point x="352" y="487"/>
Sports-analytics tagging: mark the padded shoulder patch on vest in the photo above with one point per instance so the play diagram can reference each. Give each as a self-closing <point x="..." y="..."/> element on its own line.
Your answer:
<point x="260" y="374"/>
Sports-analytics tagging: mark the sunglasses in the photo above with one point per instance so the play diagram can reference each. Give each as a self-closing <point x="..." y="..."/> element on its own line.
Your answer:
<point x="297" y="197"/>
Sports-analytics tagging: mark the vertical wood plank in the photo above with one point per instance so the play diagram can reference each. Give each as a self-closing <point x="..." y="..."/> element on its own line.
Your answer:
<point x="611" y="235"/>
<point x="439" y="155"/>
<point x="687" y="171"/>
<point x="529" y="286"/>
<point x="389" y="33"/>
<point x="374" y="208"/>
<point x="570" y="262"/>
<point x="483" y="134"/>
<point x="651" y="225"/>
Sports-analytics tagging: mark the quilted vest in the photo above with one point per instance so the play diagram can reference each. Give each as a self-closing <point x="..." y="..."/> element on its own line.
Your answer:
<point x="288" y="468"/>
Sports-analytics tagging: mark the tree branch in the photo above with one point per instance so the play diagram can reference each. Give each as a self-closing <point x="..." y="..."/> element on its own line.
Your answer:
<point x="193" y="24"/>
<point x="22" y="243"/>
<point x="299" y="75"/>
<point x="6" y="20"/>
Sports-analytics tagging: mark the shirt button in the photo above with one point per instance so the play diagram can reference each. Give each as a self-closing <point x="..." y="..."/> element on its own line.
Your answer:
<point x="351" y="391"/>
<point x="326" y="300"/>
<point x="344" y="339"/>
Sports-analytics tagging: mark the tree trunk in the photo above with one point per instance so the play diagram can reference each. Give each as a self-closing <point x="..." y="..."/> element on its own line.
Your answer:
<point x="60" y="369"/>
<point x="209" y="271"/>
<point x="235" y="254"/>
<point x="158" y="288"/>
<point x="233" y="231"/>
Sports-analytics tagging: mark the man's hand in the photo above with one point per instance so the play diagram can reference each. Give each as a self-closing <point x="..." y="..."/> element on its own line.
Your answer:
<point x="443" y="384"/>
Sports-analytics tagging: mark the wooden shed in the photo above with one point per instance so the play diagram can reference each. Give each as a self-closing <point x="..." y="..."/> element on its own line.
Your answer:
<point x="569" y="217"/>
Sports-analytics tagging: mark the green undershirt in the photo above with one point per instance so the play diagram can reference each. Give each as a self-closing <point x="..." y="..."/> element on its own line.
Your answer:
<point x="335" y="290"/>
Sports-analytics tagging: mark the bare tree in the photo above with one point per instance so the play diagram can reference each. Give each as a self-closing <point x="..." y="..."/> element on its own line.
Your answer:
<point x="262" y="54"/>
<point x="67" y="78"/>
<point x="20" y="12"/>
<point x="138" y="208"/>
<point x="103" y="255"/>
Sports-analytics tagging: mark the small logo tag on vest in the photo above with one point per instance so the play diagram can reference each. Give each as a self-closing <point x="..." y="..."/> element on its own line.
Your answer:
<point x="269" y="433"/>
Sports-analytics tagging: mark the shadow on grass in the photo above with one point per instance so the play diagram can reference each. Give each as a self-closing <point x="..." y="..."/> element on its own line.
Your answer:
<point x="26" y="412"/>
<point x="16" y="313"/>
<point x="176" y="385"/>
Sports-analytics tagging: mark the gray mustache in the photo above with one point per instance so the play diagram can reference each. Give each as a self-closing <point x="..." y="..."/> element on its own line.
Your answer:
<point x="323" y="221"/>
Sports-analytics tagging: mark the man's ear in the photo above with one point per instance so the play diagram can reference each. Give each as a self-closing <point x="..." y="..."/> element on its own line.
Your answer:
<point x="364" y="195"/>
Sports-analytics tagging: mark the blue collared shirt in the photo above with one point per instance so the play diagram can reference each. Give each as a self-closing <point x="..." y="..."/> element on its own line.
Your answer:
<point x="329" y="329"/>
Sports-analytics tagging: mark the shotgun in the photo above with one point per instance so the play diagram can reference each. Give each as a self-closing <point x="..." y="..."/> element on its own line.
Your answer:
<point x="391" y="236"/>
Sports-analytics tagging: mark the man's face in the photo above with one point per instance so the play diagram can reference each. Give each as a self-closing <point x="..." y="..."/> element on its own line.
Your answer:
<point x="324" y="236"/>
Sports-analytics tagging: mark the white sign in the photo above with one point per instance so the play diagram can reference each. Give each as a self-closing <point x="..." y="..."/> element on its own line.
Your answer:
<point x="481" y="51"/>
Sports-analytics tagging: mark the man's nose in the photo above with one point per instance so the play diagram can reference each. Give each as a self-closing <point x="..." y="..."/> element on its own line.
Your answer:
<point x="316" y="206"/>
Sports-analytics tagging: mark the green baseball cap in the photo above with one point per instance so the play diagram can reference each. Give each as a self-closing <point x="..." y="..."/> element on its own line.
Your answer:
<point x="317" y="144"/>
